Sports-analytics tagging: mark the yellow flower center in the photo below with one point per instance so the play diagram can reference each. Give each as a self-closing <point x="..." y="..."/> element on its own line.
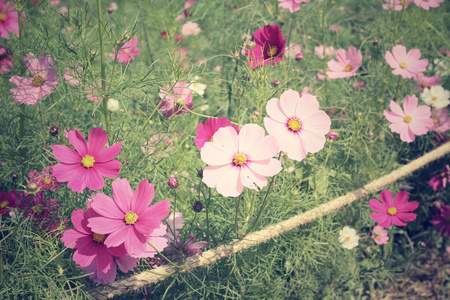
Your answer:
<point x="126" y="51"/>
<point x="2" y="17"/>
<point x="239" y="159"/>
<point x="407" y="119"/>
<point x="294" y="124"/>
<point x="211" y="139"/>
<point x="38" y="80"/>
<point x="47" y="180"/>
<point x="404" y="2"/>
<point x="131" y="218"/>
<point x="87" y="161"/>
<point x="99" y="238"/>
<point x="443" y="174"/>
<point x="392" y="211"/>
<point x="403" y="65"/>
<point x="37" y="209"/>
<point x="4" y="203"/>
<point x="376" y="235"/>
<point x="435" y="121"/>
<point x="424" y="84"/>
<point x="347" y="238"/>
<point x="434" y="98"/>
<point x="348" y="68"/>
<point x="272" y="51"/>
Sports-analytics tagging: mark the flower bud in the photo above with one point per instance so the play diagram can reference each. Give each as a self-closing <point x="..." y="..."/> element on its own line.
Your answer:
<point x="164" y="34"/>
<point x="113" y="105"/>
<point x="54" y="130"/>
<point x="110" y="10"/>
<point x="172" y="182"/>
<point x="275" y="82"/>
<point x="198" y="206"/>
<point x="200" y="173"/>
<point x="299" y="56"/>
<point x="32" y="186"/>
<point x="14" y="176"/>
<point x="250" y="45"/>
<point x="332" y="135"/>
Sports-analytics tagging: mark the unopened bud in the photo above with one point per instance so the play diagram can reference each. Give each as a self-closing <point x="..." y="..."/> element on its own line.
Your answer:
<point x="54" y="130"/>
<point x="332" y="135"/>
<point x="32" y="186"/>
<point x="113" y="105"/>
<point x="275" y="82"/>
<point x="198" y="206"/>
<point x="172" y="182"/>
<point x="299" y="56"/>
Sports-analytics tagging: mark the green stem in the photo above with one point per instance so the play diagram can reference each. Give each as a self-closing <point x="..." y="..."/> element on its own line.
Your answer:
<point x="207" y="217"/>
<point x="398" y="86"/>
<point x="236" y="217"/>
<point x="205" y="116"/>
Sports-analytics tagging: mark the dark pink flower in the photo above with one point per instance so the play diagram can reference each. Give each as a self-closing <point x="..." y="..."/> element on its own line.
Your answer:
<point x="5" y="60"/>
<point x="441" y="120"/>
<point x="175" y="99"/>
<point x="42" y="211"/>
<point x="44" y="179"/>
<point x="128" y="51"/>
<point x="88" y="163"/>
<point x="128" y="219"/>
<point x="90" y="251"/>
<point x="442" y="221"/>
<point x="7" y="201"/>
<point x="393" y="212"/>
<point x="206" y="131"/>
<point x="9" y="19"/>
<point x="440" y="179"/>
<point x="346" y="63"/>
<point x="269" y="46"/>
<point x="31" y="89"/>
<point x="407" y="64"/>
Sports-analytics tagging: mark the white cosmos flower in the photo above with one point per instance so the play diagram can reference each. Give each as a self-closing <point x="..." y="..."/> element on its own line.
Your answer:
<point x="348" y="238"/>
<point x="197" y="87"/>
<point x="436" y="97"/>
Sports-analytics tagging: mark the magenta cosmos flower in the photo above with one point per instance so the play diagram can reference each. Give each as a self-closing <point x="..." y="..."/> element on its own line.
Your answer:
<point x="396" y="4"/>
<point x="442" y="221"/>
<point x="393" y="212"/>
<point x="269" y="46"/>
<point x="9" y="19"/>
<point x="426" y="4"/>
<point x="128" y="51"/>
<point x="297" y="124"/>
<point x="205" y="132"/>
<point x="411" y="121"/>
<point x="90" y="251"/>
<point x="346" y="63"/>
<point x="128" y="219"/>
<point x="175" y="99"/>
<point x="235" y="161"/>
<point x="5" y="60"/>
<point x="7" y="201"/>
<point x="441" y="120"/>
<point x="406" y="64"/>
<point x="88" y="163"/>
<point x="380" y="235"/>
<point x="440" y="179"/>
<point x="31" y="89"/>
<point x="292" y="5"/>
<point x="44" y="179"/>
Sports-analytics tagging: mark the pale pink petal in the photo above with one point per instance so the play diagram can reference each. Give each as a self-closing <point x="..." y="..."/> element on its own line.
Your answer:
<point x="269" y="169"/>
<point x="275" y="128"/>
<point x="288" y="102"/>
<point x="227" y="139"/>
<point x="265" y="148"/>
<point x="249" y="136"/>
<point x="273" y="109"/>
<point x="215" y="154"/>
<point x="251" y="179"/>
<point x="229" y="185"/>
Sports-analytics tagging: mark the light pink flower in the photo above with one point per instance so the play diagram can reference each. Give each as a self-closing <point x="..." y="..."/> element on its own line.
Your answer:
<point x="88" y="163"/>
<point x="346" y="63"/>
<point x="441" y="120"/>
<point x="425" y="82"/>
<point x="396" y="4"/>
<point x="90" y="251"/>
<point x="5" y="60"/>
<point x="93" y="92"/>
<point x="159" y="145"/>
<point x="292" y="5"/>
<point x="235" y="161"/>
<point x="411" y="121"/>
<point x="128" y="51"/>
<point x="380" y="235"/>
<point x="175" y="101"/>
<point x="329" y="51"/>
<point x="54" y="2"/>
<point x="297" y="124"/>
<point x="190" y="28"/>
<point x="189" y="3"/>
<point x="73" y="75"/>
<point x="205" y="132"/>
<point x="393" y="212"/>
<point x="426" y="4"/>
<point x="335" y="27"/>
<point x="405" y="64"/>
<point x="31" y="89"/>
<point x="128" y="219"/>
<point x="9" y="19"/>
<point x="293" y="50"/>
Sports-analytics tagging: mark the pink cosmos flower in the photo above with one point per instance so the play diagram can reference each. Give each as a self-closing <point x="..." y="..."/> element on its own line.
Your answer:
<point x="411" y="121"/>
<point x="128" y="219"/>
<point x="425" y="82"/>
<point x="7" y="201"/>
<point x="297" y="124"/>
<point x="269" y="46"/>
<point x="128" y="51"/>
<point x="393" y="212"/>
<point x="426" y="4"/>
<point x="90" y="251"/>
<point x="329" y="51"/>
<point x="396" y="4"/>
<point x="93" y="92"/>
<point x="440" y="179"/>
<point x="31" y="89"/>
<point x="205" y="132"/>
<point x="292" y="5"/>
<point x="346" y="63"/>
<point x="5" y="60"/>
<point x="380" y="235"/>
<point x="189" y="3"/>
<point x="159" y="145"/>
<point x="190" y="28"/>
<point x="442" y="221"/>
<point x="9" y="19"/>
<point x="73" y="75"/>
<point x="235" y="161"/>
<point x="44" y="179"/>
<point x="293" y="50"/>
<point x="88" y="163"/>
<point x="408" y="65"/>
<point x="42" y="211"/>
<point x="335" y="27"/>
<point x="441" y="120"/>
<point x="175" y="99"/>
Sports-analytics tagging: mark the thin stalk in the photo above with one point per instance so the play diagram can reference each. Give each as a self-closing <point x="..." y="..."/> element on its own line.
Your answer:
<point x="236" y="225"/>
<point x="398" y="86"/>
<point x="207" y="217"/>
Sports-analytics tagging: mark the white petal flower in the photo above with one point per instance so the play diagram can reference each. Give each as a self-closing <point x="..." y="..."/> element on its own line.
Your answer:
<point x="436" y="97"/>
<point x="348" y="238"/>
<point x="113" y="105"/>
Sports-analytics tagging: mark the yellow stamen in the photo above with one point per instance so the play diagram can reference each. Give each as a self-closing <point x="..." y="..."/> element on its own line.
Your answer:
<point x="211" y="139"/>
<point x="403" y="65"/>
<point x="272" y="51"/>
<point x="239" y="159"/>
<point x="47" y="180"/>
<point x="443" y="174"/>
<point x="294" y="124"/>
<point x="38" y="80"/>
<point x="376" y="235"/>
<point x="4" y="203"/>
<point x="99" y="238"/>
<point x="348" y="68"/>
<point x="407" y="119"/>
<point x="37" y="209"/>
<point x="131" y="218"/>
<point x="347" y="238"/>
<point x="392" y="211"/>
<point x="424" y="84"/>
<point x="2" y="17"/>
<point x="434" y="98"/>
<point x="435" y="121"/>
<point x="87" y="161"/>
<point x="126" y="51"/>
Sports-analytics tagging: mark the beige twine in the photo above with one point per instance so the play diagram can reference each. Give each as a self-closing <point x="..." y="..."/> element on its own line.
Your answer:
<point x="140" y="280"/>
